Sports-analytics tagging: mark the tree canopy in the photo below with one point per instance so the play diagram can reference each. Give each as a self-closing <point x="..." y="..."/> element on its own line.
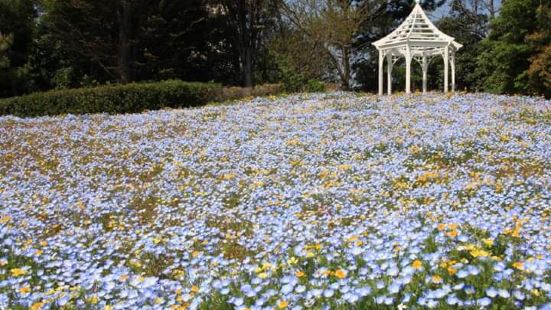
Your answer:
<point x="47" y="44"/>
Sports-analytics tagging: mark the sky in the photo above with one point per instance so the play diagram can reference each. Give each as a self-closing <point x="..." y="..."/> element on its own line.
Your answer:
<point x="443" y="10"/>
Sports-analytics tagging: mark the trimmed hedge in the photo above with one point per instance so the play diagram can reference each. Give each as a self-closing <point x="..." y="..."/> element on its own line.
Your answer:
<point x="128" y="98"/>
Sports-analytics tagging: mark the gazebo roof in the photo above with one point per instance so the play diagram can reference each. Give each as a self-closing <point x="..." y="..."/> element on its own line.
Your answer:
<point x="418" y="34"/>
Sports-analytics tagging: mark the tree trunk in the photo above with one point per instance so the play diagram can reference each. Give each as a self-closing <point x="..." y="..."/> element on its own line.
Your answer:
<point x="346" y="68"/>
<point x="124" y="48"/>
<point x="247" y="64"/>
<point x="492" y="9"/>
<point x="13" y="83"/>
<point x="245" y="43"/>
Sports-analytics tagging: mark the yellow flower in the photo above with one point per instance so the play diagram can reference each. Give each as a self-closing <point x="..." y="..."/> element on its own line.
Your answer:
<point x="452" y="233"/>
<point x="479" y="253"/>
<point x="228" y="176"/>
<point x="436" y="279"/>
<point x="108" y="307"/>
<point x="345" y="167"/>
<point x="341" y="274"/>
<point x="93" y="300"/>
<point x="282" y="304"/>
<point x="4" y="219"/>
<point x="25" y="290"/>
<point x="519" y="265"/>
<point x="195" y="289"/>
<point x="37" y="306"/>
<point x="324" y="174"/>
<point x="488" y="241"/>
<point x="158" y="300"/>
<point x="417" y="264"/>
<point x="441" y="227"/>
<point x="16" y="272"/>
<point x="292" y="261"/>
<point x="452" y="270"/>
<point x="262" y="275"/>
<point x="299" y="274"/>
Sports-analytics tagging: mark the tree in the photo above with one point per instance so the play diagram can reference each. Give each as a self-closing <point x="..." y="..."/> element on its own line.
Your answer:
<point x="16" y="25"/>
<point x="539" y="71"/>
<point x="334" y="26"/>
<point x="249" y="20"/>
<point x="186" y="40"/>
<point x="97" y="30"/>
<point x="298" y="58"/>
<point x="5" y="43"/>
<point x="515" y="53"/>
<point x="468" y="22"/>
<point x="128" y="40"/>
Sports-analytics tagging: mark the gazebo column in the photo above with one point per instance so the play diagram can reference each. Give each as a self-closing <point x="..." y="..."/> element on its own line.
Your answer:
<point x="453" y="71"/>
<point x="408" y="71"/>
<point x="446" y="65"/>
<point x="381" y="59"/>
<point x="389" y="66"/>
<point x="425" y="67"/>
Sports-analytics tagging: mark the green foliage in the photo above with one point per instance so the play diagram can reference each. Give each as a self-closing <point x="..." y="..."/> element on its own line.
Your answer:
<point x="539" y="72"/>
<point x="292" y="81"/>
<point x="298" y="59"/>
<point x="129" y="98"/>
<point x="515" y="57"/>
<point x="315" y="86"/>
<point x="17" y="25"/>
<point x="5" y="43"/>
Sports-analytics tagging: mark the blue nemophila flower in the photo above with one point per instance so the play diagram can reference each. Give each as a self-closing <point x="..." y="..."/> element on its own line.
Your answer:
<point x="503" y="293"/>
<point x="491" y="292"/>
<point x="484" y="301"/>
<point x="469" y="289"/>
<point x="463" y="274"/>
<point x="422" y="201"/>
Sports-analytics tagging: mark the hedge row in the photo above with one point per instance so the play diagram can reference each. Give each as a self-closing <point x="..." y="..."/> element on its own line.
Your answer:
<point x="129" y="98"/>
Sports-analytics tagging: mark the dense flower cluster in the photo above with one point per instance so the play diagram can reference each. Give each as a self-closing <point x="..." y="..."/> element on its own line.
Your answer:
<point x="332" y="201"/>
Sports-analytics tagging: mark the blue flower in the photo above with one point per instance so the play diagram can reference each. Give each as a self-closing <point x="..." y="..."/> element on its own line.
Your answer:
<point x="484" y="301"/>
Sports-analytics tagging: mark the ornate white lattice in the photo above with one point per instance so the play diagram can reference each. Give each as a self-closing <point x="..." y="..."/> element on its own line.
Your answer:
<point x="416" y="38"/>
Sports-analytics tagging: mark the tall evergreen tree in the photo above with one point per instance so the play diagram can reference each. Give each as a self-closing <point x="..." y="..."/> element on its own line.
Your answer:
<point x="539" y="72"/>
<point x="130" y="40"/>
<point x="518" y="38"/>
<point x="17" y="28"/>
<point x="249" y="20"/>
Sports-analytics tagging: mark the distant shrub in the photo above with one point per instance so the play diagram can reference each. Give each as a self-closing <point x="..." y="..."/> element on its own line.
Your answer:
<point x="293" y="82"/>
<point x="233" y="93"/>
<point x="315" y="86"/>
<point x="128" y="98"/>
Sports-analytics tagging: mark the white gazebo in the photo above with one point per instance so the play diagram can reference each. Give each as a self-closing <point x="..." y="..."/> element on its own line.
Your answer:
<point x="416" y="38"/>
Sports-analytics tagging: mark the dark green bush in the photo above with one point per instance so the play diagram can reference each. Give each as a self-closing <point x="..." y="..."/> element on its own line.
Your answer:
<point x="129" y="98"/>
<point x="315" y="86"/>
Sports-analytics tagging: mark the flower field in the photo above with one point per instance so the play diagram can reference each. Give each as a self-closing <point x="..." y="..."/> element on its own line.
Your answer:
<point x="323" y="201"/>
